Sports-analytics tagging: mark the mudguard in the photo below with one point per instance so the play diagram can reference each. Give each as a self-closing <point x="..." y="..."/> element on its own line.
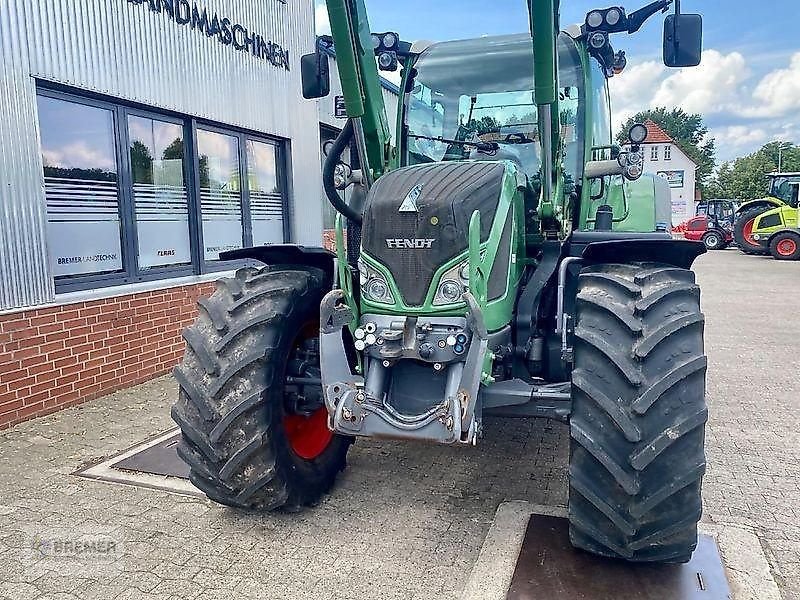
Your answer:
<point x="678" y="253"/>
<point x="286" y="254"/>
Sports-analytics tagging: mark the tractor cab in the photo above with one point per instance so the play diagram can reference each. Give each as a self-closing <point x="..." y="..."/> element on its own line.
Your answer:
<point x="488" y="112"/>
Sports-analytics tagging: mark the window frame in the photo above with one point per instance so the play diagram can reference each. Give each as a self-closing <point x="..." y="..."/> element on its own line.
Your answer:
<point x="654" y="153"/>
<point x="667" y="152"/>
<point x="131" y="272"/>
<point x="168" y="271"/>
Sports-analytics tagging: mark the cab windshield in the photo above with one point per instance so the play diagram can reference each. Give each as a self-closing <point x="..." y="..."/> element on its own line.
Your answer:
<point x="786" y="188"/>
<point x="474" y="99"/>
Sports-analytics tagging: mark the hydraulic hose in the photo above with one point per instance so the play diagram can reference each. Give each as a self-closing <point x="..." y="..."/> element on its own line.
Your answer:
<point x="341" y="143"/>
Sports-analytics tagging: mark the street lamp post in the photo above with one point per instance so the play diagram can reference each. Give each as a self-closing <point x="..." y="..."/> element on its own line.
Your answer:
<point x="780" y="155"/>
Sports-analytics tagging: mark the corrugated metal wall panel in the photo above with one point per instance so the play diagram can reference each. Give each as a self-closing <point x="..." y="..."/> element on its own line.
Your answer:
<point x="125" y="50"/>
<point x="24" y="270"/>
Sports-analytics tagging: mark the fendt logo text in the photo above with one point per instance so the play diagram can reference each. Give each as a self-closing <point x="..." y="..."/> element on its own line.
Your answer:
<point x="420" y="244"/>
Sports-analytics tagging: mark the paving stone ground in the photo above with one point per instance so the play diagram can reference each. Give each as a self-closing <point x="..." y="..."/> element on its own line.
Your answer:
<point x="405" y="520"/>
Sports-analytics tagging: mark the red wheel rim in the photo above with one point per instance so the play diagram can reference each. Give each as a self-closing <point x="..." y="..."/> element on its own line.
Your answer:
<point x="787" y="247"/>
<point x="308" y="436"/>
<point x="747" y="232"/>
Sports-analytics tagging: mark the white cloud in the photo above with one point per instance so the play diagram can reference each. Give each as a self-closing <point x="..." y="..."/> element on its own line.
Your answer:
<point x="712" y="87"/>
<point x="738" y="137"/>
<point x="321" y="20"/>
<point x="631" y="91"/>
<point x="744" y="112"/>
<point x="778" y="93"/>
<point x="79" y="155"/>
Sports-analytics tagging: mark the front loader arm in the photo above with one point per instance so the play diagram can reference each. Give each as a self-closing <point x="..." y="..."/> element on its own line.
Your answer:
<point x="545" y="26"/>
<point x="361" y="87"/>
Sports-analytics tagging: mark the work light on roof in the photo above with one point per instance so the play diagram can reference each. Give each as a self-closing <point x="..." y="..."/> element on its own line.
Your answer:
<point x="594" y="19"/>
<point x="613" y="16"/>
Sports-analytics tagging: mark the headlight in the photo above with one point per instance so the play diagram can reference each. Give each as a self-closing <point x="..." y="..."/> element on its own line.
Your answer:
<point x="598" y="40"/>
<point x="594" y="19"/>
<point x="452" y="285"/>
<point x="613" y="16"/>
<point x="374" y="286"/>
<point x="450" y="291"/>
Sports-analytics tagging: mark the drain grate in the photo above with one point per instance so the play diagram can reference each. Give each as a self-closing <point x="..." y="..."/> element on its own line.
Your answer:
<point x="151" y="464"/>
<point x="549" y="567"/>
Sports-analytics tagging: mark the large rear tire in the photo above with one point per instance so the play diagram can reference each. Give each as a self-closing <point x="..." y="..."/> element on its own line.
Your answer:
<point x="638" y="423"/>
<point x="743" y="231"/>
<point x="251" y="439"/>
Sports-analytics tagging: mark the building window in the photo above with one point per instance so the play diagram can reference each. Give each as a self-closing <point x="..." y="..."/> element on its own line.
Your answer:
<point x="135" y="195"/>
<point x="160" y="195"/>
<point x="220" y="192"/>
<point x="81" y="182"/>
<point x="266" y="196"/>
<point x="653" y="152"/>
<point x="667" y="152"/>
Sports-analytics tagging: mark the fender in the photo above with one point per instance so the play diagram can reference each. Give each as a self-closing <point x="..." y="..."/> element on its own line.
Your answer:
<point x="287" y="254"/>
<point x="767" y="203"/>
<point x="678" y="253"/>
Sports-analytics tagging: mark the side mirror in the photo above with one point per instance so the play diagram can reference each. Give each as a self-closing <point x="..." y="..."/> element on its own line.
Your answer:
<point x="316" y="75"/>
<point x="683" y="40"/>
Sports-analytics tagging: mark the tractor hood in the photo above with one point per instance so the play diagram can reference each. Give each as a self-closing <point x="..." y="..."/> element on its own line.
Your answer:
<point x="417" y="218"/>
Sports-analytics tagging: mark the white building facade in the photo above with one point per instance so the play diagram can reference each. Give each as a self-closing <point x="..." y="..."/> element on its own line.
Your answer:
<point x="663" y="157"/>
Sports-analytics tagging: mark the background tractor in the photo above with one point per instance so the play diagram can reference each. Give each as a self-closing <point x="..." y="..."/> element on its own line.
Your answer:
<point x="758" y="221"/>
<point x="503" y="259"/>
<point x="776" y="231"/>
<point x="712" y="225"/>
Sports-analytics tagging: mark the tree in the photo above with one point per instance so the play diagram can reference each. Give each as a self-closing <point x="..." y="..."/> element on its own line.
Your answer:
<point x="746" y="177"/>
<point x="689" y="133"/>
<point x="141" y="163"/>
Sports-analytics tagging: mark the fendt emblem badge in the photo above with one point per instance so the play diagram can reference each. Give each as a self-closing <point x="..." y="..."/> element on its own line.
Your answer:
<point x="416" y="244"/>
<point x="410" y="203"/>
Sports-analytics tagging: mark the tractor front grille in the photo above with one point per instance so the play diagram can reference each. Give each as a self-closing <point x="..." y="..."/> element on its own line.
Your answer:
<point x="414" y="244"/>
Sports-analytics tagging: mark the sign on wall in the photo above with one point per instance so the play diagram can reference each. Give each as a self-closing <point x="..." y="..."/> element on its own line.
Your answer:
<point x="225" y="30"/>
<point x="339" y="107"/>
<point x="674" y="178"/>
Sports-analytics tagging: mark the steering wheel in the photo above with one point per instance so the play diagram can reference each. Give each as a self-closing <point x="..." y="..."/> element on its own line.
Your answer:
<point x="517" y="138"/>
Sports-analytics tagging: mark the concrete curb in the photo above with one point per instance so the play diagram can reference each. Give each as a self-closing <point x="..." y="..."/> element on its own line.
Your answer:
<point x="746" y="565"/>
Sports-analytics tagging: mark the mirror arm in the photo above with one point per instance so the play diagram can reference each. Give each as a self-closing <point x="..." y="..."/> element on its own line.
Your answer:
<point x="638" y="18"/>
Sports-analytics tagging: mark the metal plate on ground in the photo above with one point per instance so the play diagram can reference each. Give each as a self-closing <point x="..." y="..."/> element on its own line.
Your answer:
<point x="160" y="459"/>
<point x="549" y="567"/>
<point x="151" y="464"/>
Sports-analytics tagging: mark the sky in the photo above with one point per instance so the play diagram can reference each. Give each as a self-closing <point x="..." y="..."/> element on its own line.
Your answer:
<point x="747" y="87"/>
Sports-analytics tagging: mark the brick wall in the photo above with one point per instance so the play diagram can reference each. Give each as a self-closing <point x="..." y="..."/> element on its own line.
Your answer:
<point x="51" y="358"/>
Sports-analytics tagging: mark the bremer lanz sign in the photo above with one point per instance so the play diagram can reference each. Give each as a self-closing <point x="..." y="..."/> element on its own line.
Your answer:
<point x="184" y="12"/>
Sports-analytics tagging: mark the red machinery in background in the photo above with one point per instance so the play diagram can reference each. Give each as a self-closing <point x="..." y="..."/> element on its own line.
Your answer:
<point x="712" y="225"/>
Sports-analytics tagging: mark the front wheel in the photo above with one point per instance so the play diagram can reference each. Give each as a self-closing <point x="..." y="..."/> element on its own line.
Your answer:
<point x="714" y="240"/>
<point x="250" y="408"/>
<point x="785" y="246"/>
<point x="638" y="422"/>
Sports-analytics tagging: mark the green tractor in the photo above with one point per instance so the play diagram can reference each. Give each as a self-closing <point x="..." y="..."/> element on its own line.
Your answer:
<point x="769" y="225"/>
<point x="504" y="259"/>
